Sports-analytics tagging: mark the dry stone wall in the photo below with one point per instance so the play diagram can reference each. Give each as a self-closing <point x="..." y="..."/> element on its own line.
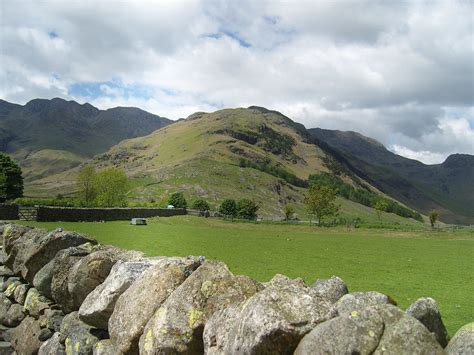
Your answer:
<point x="74" y="214"/>
<point x="9" y="212"/>
<point x="62" y="293"/>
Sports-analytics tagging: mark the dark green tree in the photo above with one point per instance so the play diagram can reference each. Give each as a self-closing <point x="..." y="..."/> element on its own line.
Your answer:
<point x="320" y="201"/>
<point x="228" y="208"/>
<point x="247" y="209"/>
<point x="177" y="200"/>
<point x="11" y="181"/>
<point x="200" y="205"/>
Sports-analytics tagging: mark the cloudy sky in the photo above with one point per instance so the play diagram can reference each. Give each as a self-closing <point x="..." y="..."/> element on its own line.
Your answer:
<point x="401" y="72"/>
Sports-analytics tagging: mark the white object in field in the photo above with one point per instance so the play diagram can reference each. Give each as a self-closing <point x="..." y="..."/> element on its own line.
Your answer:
<point x="170" y="206"/>
<point x="138" y="221"/>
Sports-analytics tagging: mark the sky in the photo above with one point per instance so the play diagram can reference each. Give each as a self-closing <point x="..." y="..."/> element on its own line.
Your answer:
<point x="400" y="72"/>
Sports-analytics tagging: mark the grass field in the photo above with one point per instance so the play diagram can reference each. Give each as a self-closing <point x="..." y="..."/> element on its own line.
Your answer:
<point x="406" y="264"/>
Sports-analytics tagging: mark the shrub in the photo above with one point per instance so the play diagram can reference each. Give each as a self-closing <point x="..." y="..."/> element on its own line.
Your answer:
<point x="177" y="200"/>
<point x="247" y="209"/>
<point x="228" y="208"/>
<point x="200" y="205"/>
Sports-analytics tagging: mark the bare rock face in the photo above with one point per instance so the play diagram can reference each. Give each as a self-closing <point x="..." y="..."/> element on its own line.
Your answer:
<point x="24" y="245"/>
<point x="43" y="278"/>
<point x="63" y="263"/>
<point x="139" y="302"/>
<point x="5" y="305"/>
<point x="25" y="338"/>
<point x="273" y="321"/>
<point x="100" y="303"/>
<point x="356" y="333"/>
<point x="358" y="301"/>
<point x="20" y="293"/>
<point x="14" y="315"/>
<point x="331" y="289"/>
<point x="178" y="325"/>
<point x="11" y="232"/>
<point x="44" y="248"/>
<point x="462" y="342"/>
<point x="104" y="347"/>
<point x="427" y="312"/>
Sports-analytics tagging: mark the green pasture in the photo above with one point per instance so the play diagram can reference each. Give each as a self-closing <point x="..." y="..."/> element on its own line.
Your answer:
<point x="405" y="264"/>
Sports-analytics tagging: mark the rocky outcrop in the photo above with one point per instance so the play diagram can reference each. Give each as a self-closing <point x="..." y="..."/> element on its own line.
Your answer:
<point x="61" y="293"/>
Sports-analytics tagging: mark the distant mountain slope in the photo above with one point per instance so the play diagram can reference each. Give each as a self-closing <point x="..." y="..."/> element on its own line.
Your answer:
<point x="232" y="153"/>
<point x="447" y="187"/>
<point x="49" y="136"/>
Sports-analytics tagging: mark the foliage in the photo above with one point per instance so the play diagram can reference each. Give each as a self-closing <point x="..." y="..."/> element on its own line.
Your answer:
<point x="320" y="202"/>
<point x="228" y="208"/>
<point x="289" y="211"/>
<point x="111" y="186"/>
<point x="363" y="196"/>
<point x="86" y="181"/>
<point x="177" y="200"/>
<point x="380" y="206"/>
<point x="11" y="181"/>
<point x="58" y="201"/>
<point x="247" y="209"/>
<point x="200" y="205"/>
<point x="434" y="215"/>
<point x="275" y="170"/>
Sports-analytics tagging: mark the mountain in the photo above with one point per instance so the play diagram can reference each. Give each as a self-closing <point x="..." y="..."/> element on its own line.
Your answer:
<point x="50" y="136"/>
<point x="446" y="187"/>
<point x="232" y="153"/>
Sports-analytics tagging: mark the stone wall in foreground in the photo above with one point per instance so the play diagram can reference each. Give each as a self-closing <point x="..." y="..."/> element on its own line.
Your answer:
<point x="75" y="214"/>
<point x="62" y="293"/>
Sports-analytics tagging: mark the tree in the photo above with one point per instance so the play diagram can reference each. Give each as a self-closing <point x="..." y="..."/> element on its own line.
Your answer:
<point x="177" y="200"/>
<point x="434" y="215"/>
<point x="228" y="208"/>
<point x="380" y="206"/>
<point x="200" y="205"/>
<point x="86" y="180"/>
<point x="247" y="209"/>
<point x="111" y="186"/>
<point x="320" y="202"/>
<point x="289" y="211"/>
<point x="11" y="181"/>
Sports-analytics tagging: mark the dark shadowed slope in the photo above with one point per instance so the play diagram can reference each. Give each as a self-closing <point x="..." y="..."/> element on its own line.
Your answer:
<point x="447" y="187"/>
<point x="49" y="136"/>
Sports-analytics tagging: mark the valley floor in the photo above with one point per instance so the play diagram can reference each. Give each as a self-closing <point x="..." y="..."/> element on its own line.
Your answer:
<point x="405" y="264"/>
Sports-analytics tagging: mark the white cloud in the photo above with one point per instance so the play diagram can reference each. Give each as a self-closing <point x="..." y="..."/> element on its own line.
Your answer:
<point x="401" y="72"/>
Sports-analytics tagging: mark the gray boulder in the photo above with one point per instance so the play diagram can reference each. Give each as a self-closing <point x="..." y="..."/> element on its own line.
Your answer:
<point x="63" y="263"/>
<point x="43" y="278"/>
<point x="6" y="271"/>
<point x="52" y="346"/>
<point x="25" y="337"/>
<point x="427" y="312"/>
<point x="404" y="334"/>
<point x="331" y="289"/>
<point x="11" y="233"/>
<point x="100" y="303"/>
<point x="139" y="302"/>
<point x="273" y="321"/>
<point x="35" y="303"/>
<point x="78" y="337"/>
<point x="51" y="319"/>
<point x="5" y="305"/>
<point x="20" y="293"/>
<point x="5" y="348"/>
<point x="45" y="248"/>
<point x="14" y="315"/>
<point x="5" y="284"/>
<point x="358" y="301"/>
<point x="462" y="342"/>
<point x="178" y="324"/>
<point x="10" y="290"/>
<point x="23" y="246"/>
<point x="6" y="333"/>
<point x="356" y="333"/>
<point x="104" y="347"/>
<point x="89" y="272"/>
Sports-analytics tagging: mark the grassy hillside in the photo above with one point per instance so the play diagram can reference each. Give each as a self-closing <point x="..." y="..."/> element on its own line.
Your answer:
<point x="406" y="264"/>
<point x="234" y="153"/>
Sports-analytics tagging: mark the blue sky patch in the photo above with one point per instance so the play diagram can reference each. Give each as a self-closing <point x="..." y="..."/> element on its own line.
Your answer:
<point x="112" y="88"/>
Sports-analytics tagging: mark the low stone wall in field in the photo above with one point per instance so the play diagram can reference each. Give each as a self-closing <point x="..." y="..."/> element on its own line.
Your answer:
<point x="62" y="293"/>
<point x="74" y="214"/>
<point x="9" y="212"/>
